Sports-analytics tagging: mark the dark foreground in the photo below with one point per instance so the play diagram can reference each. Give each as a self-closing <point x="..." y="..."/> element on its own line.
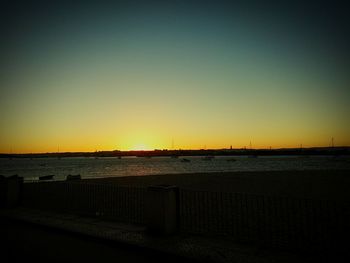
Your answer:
<point x="26" y="242"/>
<point x="280" y="217"/>
<point x="30" y="235"/>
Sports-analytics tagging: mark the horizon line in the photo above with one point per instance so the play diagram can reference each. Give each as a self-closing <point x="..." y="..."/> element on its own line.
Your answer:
<point x="154" y="150"/>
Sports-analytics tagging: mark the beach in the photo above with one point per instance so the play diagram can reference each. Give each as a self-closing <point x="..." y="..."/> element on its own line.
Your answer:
<point x="313" y="184"/>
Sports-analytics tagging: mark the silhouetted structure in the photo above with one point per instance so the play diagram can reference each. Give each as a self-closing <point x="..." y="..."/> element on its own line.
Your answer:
<point x="10" y="190"/>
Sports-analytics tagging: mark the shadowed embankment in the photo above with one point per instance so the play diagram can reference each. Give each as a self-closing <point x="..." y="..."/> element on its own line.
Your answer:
<point x="319" y="184"/>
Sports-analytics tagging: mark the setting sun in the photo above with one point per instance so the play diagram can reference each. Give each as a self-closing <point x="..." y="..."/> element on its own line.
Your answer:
<point x="141" y="147"/>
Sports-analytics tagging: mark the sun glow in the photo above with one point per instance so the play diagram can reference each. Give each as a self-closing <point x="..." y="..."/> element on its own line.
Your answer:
<point x="138" y="138"/>
<point x="141" y="147"/>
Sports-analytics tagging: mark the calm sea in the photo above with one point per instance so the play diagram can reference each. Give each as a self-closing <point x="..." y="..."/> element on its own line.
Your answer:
<point x="31" y="169"/>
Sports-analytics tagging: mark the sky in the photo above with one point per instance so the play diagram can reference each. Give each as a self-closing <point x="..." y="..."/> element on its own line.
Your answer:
<point x="132" y="75"/>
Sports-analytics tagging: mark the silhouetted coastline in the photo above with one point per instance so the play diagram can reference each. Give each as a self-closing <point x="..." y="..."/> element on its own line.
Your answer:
<point x="336" y="151"/>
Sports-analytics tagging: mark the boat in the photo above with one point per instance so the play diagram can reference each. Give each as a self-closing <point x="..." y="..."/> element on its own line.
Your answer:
<point x="231" y="160"/>
<point x="184" y="160"/>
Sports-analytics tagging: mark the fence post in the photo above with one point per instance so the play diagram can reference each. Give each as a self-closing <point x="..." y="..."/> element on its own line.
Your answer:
<point x="10" y="191"/>
<point x="162" y="209"/>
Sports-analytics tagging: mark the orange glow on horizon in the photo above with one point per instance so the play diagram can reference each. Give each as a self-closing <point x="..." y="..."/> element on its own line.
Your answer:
<point x="140" y="147"/>
<point x="150" y="145"/>
<point x="136" y="136"/>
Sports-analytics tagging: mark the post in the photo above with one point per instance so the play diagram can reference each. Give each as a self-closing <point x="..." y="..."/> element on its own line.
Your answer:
<point x="162" y="209"/>
<point x="10" y="191"/>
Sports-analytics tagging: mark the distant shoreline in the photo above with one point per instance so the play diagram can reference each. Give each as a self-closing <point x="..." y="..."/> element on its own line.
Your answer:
<point x="341" y="150"/>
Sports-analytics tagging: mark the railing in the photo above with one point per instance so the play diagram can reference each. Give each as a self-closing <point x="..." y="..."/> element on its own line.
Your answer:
<point x="272" y="221"/>
<point x="125" y="204"/>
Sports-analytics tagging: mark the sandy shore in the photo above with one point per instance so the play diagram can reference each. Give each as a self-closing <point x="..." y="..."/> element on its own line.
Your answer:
<point x="332" y="184"/>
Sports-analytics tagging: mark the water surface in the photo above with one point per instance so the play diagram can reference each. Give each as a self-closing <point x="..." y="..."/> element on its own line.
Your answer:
<point x="31" y="169"/>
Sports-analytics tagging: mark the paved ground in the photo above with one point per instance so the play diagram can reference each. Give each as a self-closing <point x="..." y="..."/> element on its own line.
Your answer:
<point x="53" y="237"/>
<point x="30" y="243"/>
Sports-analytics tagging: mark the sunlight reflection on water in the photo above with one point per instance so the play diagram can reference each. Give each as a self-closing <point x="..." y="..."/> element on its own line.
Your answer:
<point x="132" y="166"/>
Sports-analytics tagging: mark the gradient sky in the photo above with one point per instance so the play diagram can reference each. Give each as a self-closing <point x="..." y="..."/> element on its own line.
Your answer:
<point x="143" y="74"/>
